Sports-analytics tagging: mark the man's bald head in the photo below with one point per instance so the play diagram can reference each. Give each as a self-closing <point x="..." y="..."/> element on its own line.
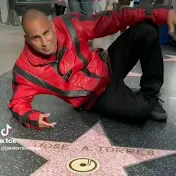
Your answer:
<point x="31" y="16"/>
<point x="40" y="33"/>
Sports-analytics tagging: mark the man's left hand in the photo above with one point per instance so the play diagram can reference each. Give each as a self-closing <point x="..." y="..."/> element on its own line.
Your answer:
<point x="171" y="21"/>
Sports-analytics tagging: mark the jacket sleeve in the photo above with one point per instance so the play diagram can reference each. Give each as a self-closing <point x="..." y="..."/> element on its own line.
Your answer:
<point x="20" y="104"/>
<point x="109" y="22"/>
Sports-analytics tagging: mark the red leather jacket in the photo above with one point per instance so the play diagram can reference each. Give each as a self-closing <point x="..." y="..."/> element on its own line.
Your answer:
<point x="78" y="75"/>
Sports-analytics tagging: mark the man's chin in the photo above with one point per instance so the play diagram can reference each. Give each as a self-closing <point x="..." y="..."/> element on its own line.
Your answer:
<point x="47" y="53"/>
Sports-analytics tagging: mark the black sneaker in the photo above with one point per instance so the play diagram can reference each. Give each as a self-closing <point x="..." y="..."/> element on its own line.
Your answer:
<point x="158" y="112"/>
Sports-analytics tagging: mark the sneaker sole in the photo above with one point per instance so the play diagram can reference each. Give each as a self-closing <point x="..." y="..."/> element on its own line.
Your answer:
<point x="159" y="116"/>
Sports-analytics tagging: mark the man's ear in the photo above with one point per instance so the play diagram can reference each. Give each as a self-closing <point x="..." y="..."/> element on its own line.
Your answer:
<point x="26" y="38"/>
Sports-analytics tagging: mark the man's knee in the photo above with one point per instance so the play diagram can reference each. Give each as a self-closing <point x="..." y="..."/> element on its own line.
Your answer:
<point x="147" y="31"/>
<point x="152" y="30"/>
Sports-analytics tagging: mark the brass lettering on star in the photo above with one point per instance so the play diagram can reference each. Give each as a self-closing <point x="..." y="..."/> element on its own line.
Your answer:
<point x="59" y="146"/>
<point x="135" y="151"/>
<point x="65" y="146"/>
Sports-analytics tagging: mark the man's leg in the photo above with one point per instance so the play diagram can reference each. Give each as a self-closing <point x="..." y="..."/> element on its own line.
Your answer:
<point x="153" y="72"/>
<point x="120" y="103"/>
<point x="138" y="42"/>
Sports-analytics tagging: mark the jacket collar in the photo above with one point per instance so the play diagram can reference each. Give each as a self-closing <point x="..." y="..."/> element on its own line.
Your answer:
<point x="37" y="59"/>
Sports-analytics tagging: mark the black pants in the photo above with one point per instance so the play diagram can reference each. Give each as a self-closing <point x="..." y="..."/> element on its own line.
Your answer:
<point x="140" y="41"/>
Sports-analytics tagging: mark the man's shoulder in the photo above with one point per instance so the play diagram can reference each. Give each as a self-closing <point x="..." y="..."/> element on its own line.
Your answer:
<point x="22" y="57"/>
<point x="22" y="67"/>
<point x="22" y="60"/>
<point x="56" y="19"/>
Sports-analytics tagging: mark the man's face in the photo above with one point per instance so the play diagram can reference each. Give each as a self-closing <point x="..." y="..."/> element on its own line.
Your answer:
<point x="41" y="36"/>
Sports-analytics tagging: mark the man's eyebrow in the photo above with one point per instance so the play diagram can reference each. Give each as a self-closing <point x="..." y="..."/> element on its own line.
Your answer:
<point x="34" y="36"/>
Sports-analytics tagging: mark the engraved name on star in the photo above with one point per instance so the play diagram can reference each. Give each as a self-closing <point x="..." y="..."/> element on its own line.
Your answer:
<point x="93" y="144"/>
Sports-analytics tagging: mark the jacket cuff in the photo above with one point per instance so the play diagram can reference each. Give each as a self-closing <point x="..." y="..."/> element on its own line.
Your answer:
<point x="160" y="16"/>
<point x="33" y="121"/>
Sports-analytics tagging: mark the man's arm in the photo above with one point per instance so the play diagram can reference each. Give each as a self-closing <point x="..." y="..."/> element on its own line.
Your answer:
<point x="109" y="22"/>
<point x="20" y="105"/>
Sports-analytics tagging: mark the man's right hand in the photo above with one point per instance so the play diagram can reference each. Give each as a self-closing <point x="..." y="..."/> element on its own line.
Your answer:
<point x="43" y="118"/>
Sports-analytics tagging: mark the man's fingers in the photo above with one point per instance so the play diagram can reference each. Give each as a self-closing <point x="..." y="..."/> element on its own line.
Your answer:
<point x="53" y="123"/>
<point x="43" y="121"/>
<point x="47" y="125"/>
<point x="45" y="115"/>
<point x="171" y="21"/>
<point x="171" y="27"/>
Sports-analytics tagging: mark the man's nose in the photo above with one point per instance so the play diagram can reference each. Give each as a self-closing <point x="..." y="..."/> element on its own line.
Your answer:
<point x="43" y="42"/>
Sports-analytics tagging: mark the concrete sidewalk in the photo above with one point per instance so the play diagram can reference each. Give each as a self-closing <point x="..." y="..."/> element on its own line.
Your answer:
<point x="11" y="44"/>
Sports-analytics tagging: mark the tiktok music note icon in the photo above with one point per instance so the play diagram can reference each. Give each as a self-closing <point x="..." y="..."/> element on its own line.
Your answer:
<point x="6" y="131"/>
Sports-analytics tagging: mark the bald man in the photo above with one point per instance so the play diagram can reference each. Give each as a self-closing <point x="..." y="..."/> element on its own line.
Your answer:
<point x="57" y="60"/>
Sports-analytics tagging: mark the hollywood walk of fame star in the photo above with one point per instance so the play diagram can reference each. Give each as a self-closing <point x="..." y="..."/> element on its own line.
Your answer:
<point x="133" y="74"/>
<point x="170" y="58"/>
<point x="93" y="144"/>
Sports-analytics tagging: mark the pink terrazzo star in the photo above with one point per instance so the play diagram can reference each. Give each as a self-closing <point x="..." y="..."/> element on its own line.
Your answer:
<point x="171" y="58"/>
<point x="93" y="144"/>
<point x="134" y="74"/>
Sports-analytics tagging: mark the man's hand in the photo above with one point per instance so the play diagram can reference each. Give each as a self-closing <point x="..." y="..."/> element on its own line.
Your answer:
<point x="42" y="121"/>
<point x="171" y="21"/>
